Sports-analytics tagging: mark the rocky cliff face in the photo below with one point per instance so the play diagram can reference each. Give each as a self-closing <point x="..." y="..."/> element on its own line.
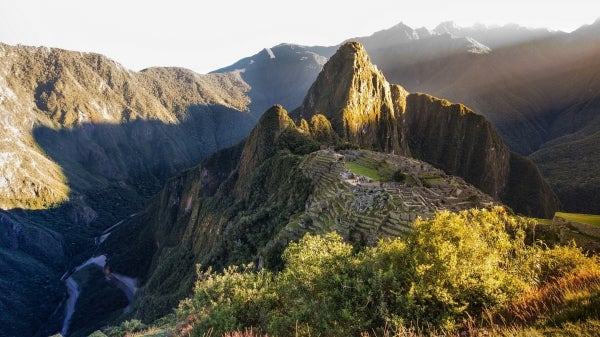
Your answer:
<point x="366" y="110"/>
<point x="356" y="99"/>
<point x="458" y="140"/>
<point x="464" y="143"/>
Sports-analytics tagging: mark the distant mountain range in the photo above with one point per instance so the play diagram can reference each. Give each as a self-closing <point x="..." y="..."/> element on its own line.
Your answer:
<point x="85" y="143"/>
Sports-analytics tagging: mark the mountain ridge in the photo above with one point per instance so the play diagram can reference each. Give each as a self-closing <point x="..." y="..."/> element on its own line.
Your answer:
<point x="534" y="86"/>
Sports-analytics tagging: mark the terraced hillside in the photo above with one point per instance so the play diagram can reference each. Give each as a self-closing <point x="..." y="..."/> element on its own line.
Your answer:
<point x="362" y="209"/>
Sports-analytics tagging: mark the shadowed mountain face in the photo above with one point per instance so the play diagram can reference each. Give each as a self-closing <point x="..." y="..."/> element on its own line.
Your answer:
<point x="280" y="75"/>
<point x="83" y="143"/>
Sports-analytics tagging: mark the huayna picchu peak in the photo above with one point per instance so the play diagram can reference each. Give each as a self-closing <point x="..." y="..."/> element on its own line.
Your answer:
<point x="355" y="97"/>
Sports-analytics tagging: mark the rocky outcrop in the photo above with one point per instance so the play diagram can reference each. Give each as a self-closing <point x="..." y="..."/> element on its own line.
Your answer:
<point x="464" y="143"/>
<point x="353" y="94"/>
<point x="260" y="145"/>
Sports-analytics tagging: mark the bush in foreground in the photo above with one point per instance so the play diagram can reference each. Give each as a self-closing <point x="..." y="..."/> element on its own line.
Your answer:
<point x="447" y="275"/>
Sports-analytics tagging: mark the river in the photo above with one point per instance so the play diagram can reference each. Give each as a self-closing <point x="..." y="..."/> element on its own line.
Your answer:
<point x="126" y="284"/>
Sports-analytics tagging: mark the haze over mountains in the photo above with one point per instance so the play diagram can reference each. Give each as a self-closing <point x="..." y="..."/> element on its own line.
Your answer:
<point x="85" y="143"/>
<point x="539" y="88"/>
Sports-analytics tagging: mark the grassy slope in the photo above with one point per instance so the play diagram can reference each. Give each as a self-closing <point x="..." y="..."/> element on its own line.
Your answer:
<point x="363" y="170"/>
<point x="589" y="219"/>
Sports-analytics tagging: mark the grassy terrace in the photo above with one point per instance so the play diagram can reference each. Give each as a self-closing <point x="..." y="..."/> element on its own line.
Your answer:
<point x="362" y="170"/>
<point x="544" y="221"/>
<point x="589" y="219"/>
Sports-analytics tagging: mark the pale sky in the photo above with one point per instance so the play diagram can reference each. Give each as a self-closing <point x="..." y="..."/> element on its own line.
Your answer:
<point x="207" y="35"/>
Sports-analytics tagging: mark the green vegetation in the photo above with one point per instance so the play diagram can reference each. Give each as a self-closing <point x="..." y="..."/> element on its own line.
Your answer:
<point x="543" y="221"/>
<point x="469" y="272"/>
<point x="26" y="283"/>
<point x="297" y="142"/>
<point x="589" y="219"/>
<point x="378" y="170"/>
<point x="362" y="170"/>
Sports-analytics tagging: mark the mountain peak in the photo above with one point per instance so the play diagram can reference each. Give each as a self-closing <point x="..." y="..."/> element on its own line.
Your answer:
<point x="449" y="27"/>
<point x="261" y="143"/>
<point x="355" y="96"/>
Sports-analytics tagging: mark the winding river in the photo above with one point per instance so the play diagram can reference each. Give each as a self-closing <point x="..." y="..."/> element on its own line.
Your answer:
<point x="126" y="284"/>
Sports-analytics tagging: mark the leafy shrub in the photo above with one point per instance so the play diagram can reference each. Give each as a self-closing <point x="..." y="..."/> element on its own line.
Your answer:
<point x="464" y="262"/>
<point x="126" y="327"/>
<point x="228" y="301"/>
<point x="451" y="268"/>
<point x="322" y="287"/>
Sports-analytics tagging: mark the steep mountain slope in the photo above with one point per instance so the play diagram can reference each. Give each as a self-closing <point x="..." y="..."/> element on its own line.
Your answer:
<point x="49" y="93"/>
<point x="83" y="142"/>
<point x="364" y="110"/>
<point x="538" y="88"/>
<point x="245" y="203"/>
<point x="355" y="97"/>
<point x="280" y="75"/>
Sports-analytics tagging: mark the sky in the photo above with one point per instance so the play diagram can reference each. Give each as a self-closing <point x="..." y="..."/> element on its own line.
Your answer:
<point x="207" y="35"/>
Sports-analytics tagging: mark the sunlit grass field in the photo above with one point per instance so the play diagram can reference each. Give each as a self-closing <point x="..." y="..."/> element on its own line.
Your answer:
<point x="363" y="170"/>
<point x="590" y="219"/>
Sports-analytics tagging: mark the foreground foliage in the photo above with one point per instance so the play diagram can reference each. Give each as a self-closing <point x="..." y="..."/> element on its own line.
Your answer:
<point x="464" y="271"/>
